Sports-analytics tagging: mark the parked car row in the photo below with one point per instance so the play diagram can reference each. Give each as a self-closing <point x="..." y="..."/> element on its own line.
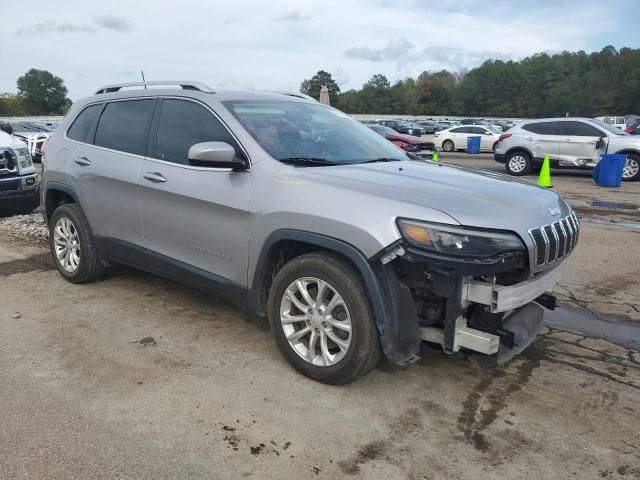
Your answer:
<point x="619" y="121"/>
<point x="34" y="134"/>
<point x="408" y="143"/>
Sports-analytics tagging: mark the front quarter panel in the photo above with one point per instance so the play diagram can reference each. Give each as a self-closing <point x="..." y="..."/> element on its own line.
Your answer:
<point x="284" y="199"/>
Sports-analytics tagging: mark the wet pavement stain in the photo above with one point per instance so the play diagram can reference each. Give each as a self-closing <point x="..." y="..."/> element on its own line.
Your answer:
<point x="615" y="205"/>
<point x="36" y="263"/>
<point x="473" y="420"/>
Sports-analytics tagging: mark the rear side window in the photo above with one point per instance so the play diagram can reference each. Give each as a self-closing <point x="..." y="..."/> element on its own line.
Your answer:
<point x="183" y="124"/>
<point x="544" y="128"/>
<point x="580" y="129"/>
<point x="82" y="127"/>
<point x="123" y="126"/>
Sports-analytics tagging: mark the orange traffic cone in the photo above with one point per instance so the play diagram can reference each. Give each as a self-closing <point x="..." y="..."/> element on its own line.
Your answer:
<point x="544" y="180"/>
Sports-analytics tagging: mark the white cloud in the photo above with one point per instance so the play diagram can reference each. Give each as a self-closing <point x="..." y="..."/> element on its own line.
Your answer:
<point x="240" y="44"/>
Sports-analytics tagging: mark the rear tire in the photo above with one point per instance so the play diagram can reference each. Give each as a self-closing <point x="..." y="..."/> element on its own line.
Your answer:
<point x="69" y="232"/>
<point x="517" y="163"/>
<point x="448" y="146"/>
<point x="327" y="348"/>
<point x="631" y="170"/>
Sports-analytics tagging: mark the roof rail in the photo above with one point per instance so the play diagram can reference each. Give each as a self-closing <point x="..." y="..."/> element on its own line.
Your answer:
<point x="289" y="93"/>
<point x="185" y="85"/>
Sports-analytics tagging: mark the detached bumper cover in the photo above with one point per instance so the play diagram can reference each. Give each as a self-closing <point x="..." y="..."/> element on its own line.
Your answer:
<point x="503" y="299"/>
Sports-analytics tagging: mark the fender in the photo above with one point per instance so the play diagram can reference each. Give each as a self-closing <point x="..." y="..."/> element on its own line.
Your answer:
<point x="390" y="305"/>
<point x="45" y="187"/>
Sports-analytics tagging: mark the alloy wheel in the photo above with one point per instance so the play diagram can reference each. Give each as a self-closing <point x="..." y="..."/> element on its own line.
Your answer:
<point x="517" y="163"/>
<point x="631" y="168"/>
<point x="316" y="321"/>
<point x="66" y="244"/>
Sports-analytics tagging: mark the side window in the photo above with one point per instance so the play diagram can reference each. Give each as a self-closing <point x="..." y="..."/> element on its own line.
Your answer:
<point x="545" y="128"/>
<point x="183" y="124"/>
<point x="123" y="126"/>
<point x="476" y="130"/>
<point x="82" y="127"/>
<point x="620" y="120"/>
<point x="458" y="130"/>
<point x="608" y="120"/>
<point x="580" y="129"/>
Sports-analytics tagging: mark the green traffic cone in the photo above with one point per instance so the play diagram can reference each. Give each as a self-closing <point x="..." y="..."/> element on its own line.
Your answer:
<point x="544" y="180"/>
<point x="434" y="157"/>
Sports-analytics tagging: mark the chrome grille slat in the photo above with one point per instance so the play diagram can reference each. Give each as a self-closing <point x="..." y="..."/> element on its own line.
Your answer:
<point x="556" y="240"/>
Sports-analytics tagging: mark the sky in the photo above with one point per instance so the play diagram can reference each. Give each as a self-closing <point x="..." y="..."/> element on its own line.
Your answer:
<point x="274" y="45"/>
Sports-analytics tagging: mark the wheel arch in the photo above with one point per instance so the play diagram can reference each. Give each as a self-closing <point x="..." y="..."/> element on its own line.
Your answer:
<point x="57" y="194"/>
<point x="628" y="150"/>
<point x="390" y="303"/>
<point x="284" y="245"/>
<point x="518" y="148"/>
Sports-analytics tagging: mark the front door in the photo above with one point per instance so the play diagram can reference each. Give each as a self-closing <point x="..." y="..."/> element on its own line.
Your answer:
<point x="194" y="217"/>
<point x="580" y="144"/>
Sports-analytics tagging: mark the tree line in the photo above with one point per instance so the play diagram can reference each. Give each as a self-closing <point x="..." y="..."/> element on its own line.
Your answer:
<point x="39" y="93"/>
<point x="577" y="83"/>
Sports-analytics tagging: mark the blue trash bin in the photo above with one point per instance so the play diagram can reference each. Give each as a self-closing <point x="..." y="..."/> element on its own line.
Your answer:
<point x="473" y="144"/>
<point x="608" y="171"/>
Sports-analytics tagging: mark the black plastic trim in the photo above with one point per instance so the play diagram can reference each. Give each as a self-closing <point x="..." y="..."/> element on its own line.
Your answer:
<point x="127" y="253"/>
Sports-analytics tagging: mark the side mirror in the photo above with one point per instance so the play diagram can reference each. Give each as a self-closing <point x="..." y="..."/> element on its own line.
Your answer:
<point x="488" y="133"/>
<point x="215" y="155"/>
<point x="7" y="128"/>
<point x="600" y="143"/>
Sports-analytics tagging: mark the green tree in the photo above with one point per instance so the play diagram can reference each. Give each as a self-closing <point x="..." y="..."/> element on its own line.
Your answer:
<point x="314" y="84"/>
<point x="11" y="106"/>
<point x="42" y="93"/>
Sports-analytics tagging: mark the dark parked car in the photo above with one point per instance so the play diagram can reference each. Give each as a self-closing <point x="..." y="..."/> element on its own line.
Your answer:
<point x="633" y="128"/>
<point x="430" y="126"/>
<point x="471" y="121"/>
<point x="409" y="143"/>
<point x="401" y="126"/>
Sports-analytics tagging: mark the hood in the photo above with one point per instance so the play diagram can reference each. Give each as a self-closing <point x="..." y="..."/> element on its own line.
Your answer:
<point x="407" y="138"/>
<point x="475" y="198"/>
<point x="10" y="141"/>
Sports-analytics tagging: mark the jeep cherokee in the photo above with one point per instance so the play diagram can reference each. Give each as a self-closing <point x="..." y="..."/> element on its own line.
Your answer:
<point x="289" y="208"/>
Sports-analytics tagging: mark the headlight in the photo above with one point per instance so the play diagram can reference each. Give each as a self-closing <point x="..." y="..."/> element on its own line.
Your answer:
<point x="459" y="241"/>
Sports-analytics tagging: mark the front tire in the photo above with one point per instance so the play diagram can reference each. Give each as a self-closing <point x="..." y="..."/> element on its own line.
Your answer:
<point x="631" y="170"/>
<point x="72" y="245"/>
<point x="321" y="319"/>
<point x="448" y="146"/>
<point x="517" y="163"/>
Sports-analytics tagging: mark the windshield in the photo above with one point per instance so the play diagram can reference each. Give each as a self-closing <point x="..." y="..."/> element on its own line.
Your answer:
<point x="609" y="128"/>
<point x="382" y="130"/>
<point x="298" y="130"/>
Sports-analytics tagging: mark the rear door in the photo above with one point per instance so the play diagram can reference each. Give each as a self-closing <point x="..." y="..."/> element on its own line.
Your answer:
<point x="193" y="216"/>
<point x="104" y="168"/>
<point x="580" y="142"/>
<point x="543" y="138"/>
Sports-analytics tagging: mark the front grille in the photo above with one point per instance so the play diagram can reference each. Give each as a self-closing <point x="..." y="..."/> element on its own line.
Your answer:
<point x="10" y="185"/>
<point x="556" y="240"/>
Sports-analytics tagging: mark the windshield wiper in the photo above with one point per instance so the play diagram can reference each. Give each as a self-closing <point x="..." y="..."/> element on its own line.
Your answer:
<point x="308" y="161"/>
<point x="383" y="159"/>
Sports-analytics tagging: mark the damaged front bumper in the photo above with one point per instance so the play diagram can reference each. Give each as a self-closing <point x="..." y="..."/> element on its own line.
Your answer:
<point x="426" y="301"/>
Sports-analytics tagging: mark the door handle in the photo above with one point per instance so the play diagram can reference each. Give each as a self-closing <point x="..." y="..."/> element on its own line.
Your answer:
<point x="567" y="140"/>
<point x="155" y="177"/>
<point x="83" y="161"/>
<point x="529" y="138"/>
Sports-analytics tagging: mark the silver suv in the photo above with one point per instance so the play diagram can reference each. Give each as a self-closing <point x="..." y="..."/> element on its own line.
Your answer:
<point x="289" y="208"/>
<point x="569" y="142"/>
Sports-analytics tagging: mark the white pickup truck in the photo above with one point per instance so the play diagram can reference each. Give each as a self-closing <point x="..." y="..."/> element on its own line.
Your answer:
<point x="19" y="182"/>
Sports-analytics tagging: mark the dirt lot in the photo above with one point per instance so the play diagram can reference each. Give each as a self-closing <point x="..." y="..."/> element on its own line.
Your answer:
<point x="139" y="377"/>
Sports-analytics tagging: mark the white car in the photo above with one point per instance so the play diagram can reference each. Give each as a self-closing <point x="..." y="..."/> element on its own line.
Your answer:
<point x="455" y="138"/>
<point x="614" y="120"/>
<point x="569" y="142"/>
